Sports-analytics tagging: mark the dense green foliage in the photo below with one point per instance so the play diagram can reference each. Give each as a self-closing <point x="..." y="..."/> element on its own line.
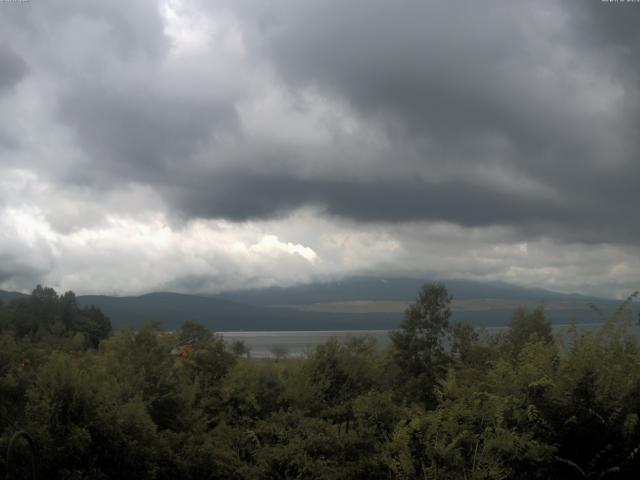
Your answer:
<point x="46" y="315"/>
<point x="441" y="402"/>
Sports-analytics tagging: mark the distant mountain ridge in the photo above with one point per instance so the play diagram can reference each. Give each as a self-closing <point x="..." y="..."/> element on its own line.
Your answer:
<point x="171" y="309"/>
<point x="391" y="289"/>
<point x="8" y="296"/>
<point x="335" y="305"/>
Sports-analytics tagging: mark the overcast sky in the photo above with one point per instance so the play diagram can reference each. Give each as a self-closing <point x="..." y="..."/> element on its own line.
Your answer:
<point x="201" y="146"/>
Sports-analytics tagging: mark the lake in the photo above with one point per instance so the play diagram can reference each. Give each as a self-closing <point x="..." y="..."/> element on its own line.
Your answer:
<point x="297" y="343"/>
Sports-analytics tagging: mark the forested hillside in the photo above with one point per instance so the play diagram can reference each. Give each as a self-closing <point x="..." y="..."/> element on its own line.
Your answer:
<point x="358" y="303"/>
<point x="172" y="309"/>
<point x="440" y="402"/>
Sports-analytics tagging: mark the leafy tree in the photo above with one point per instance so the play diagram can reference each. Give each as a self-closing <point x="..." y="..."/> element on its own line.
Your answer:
<point x="240" y="349"/>
<point x="280" y="352"/>
<point x="464" y="344"/>
<point x="340" y="372"/>
<point x="527" y="326"/>
<point x="81" y="425"/>
<point x="252" y="392"/>
<point x="440" y="402"/>
<point x="194" y="334"/>
<point x="45" y="315"/>
<point x="419" y="348"/>
<point x="91" y="322"/>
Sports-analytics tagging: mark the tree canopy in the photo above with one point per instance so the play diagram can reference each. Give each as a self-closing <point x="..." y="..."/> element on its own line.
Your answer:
<point x="442" y="401"/>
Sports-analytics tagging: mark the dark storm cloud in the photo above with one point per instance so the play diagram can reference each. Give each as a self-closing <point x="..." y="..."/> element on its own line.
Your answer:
<point x="445" y="71"/>
<point x="140" y="135"/>
<point x="132" y="27"/>
<point x="544" y="96"/>
<point x="243" y="196"/>
<point x="12" y="269"/>
<point x="12" y="68"/>
<point x="442" y="70"/>
<point x="105" y="66"/>
<point x="447" y="74"/>
<point x="614" y="27"/>
<point x="71" y="48"/>
<point x="7" y="141"/>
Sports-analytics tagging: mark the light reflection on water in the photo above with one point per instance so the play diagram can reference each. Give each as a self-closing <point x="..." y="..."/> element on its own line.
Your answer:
<point x="297" y="343"/>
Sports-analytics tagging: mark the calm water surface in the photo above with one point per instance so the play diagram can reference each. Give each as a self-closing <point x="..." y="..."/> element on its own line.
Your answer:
<point x="298" y="343"/>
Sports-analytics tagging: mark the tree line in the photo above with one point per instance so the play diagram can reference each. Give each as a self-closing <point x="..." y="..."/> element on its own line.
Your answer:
<point x="442" y="401"/>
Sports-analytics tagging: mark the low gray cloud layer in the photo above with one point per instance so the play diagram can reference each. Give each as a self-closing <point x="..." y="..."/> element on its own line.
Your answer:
<point x="13" y="68"/>
<point x="484" y="115"/>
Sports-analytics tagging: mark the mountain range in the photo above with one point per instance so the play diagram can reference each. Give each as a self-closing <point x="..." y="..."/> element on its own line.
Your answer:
<point x="359" y="303"/>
